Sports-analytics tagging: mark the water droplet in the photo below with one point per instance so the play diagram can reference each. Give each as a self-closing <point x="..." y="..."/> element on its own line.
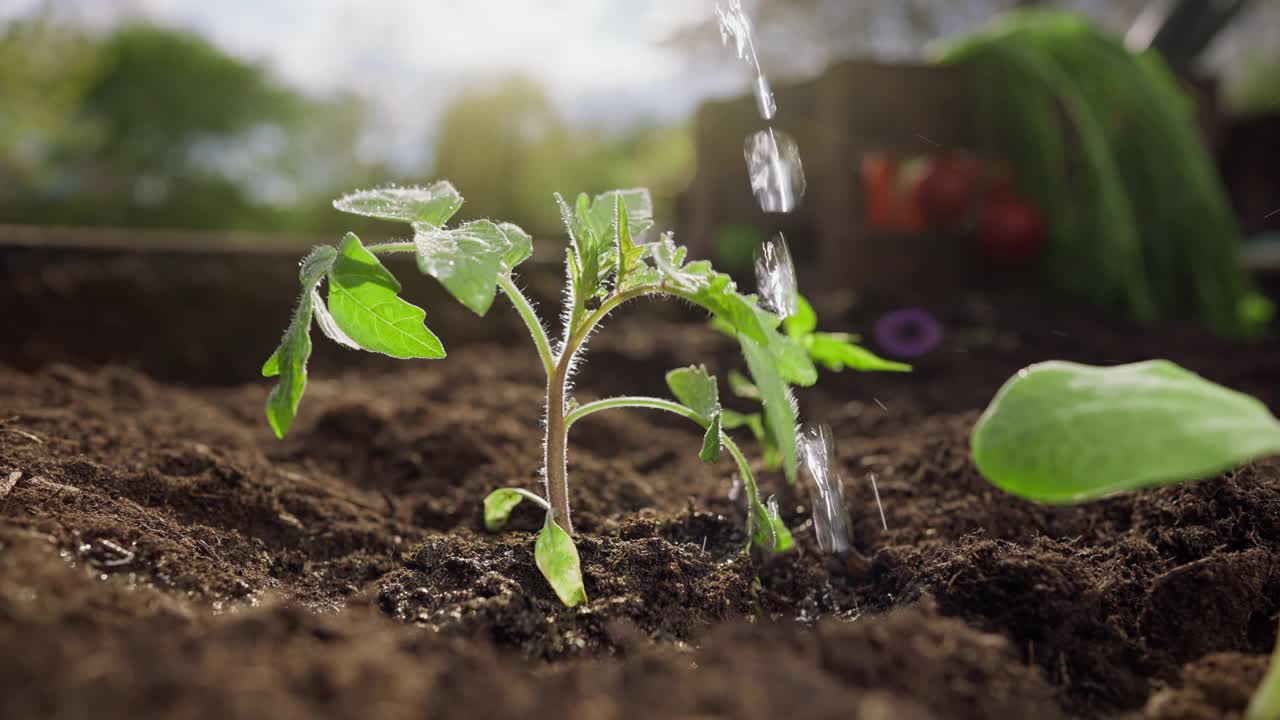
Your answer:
<point x="776" y="276"/>
<point x="826" y="490"/>
<point x="777" y="176"/>
<point x="764" y="98"/>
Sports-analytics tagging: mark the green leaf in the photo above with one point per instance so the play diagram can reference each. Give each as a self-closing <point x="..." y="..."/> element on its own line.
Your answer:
<point x="769" y="533"/>
<point x="639" y="209"/>
<point x="328" y="325"/>
<point x="466" y="260"/>
<point x="557" y="559"/>
<point x="289" y="361"/>
<point x="803" y="321"/>
<point x="1060" y="432"/>
<point x="779" y="406"/>
<point x="364" y="301"/>
<point x="291" y="367"/>
<point x="835" y="352"/>
<point x="696" y="390"/>
<point x="742" y="386"/>
<point x="792" y="359"/>
<point x="627" y="256"/>
<point x="714" y="291"/>
<point x="499" y="504"/>
<point x="711" y="440"/>
<point x="432" y="205"/>
<point x="521" y="246"/>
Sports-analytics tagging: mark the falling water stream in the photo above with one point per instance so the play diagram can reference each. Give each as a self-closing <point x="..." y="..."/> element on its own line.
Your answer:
<point x="777" y="180"/>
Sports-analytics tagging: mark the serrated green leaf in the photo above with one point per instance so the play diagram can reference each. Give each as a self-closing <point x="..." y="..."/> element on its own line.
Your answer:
<point x="432" y="205"/>
<point x="521" y="246"/>
<point x="364" y="302"/>
<point x="714" y="291"/>
<point x="1060" y="432"/>
<point x="779" y="407"/>
<point x="466" y="260"/>
<point x="639" y="204"/>
<point x="557" y="559"/>
<point x="627" y="256"/>
<point x="836" y="352"/>
<point x="711" y="440"/>
<point x="803" y="321"/>
<point x="696" y="390"/>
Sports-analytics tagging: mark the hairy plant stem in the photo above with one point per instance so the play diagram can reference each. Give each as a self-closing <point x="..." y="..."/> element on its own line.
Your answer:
<point x="531" y="321"/>
<point x="651" y="403"/>
<point x="1266" y="700"/>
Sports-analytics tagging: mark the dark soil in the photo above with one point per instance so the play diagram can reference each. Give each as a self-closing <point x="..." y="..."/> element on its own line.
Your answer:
<point x="161" y="555"/>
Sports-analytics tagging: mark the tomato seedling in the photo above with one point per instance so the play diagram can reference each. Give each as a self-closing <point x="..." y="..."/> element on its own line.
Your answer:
<point x="605" y="267"/>
<point x="1059" y="432"/>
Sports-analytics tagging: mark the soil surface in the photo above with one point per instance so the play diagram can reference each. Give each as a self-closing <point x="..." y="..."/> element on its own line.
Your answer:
<point x="163" y="556"/>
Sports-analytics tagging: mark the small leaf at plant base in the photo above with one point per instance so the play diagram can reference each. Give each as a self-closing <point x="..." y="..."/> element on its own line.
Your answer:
<point x="711" y="441"/>
<point x="557" y="559"/>
<point x="432" y="205"/>
<point x="696" y="390"/>
<point x="466" y="260"/>
<point x="498" y="506"/>
<point x="836" y="352"/>
<point x="364" y="302"/>
<point x="769" y="532"/>
<point x="801" y="322"/>
<point x="1060" y="432"/>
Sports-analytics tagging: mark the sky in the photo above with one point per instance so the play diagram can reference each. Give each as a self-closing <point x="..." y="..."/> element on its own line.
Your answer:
<point x="601" y="61"/>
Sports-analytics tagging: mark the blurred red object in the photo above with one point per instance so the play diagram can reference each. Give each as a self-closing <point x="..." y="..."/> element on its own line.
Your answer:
<point x="1010" y="228"/>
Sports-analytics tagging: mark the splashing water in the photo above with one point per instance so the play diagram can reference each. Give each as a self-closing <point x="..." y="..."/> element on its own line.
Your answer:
<point x="777" y="175"/>
<point x="826" y="491"/>
<point x="776" y="277"/>
<point x="736" y="25"/>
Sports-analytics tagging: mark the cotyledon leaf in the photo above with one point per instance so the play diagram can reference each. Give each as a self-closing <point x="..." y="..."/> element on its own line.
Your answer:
<point x="499" y="504"/>
<point x="1060" y="432"/>
<point x="365" y="304"/>
<point x="557" y="559"/>
<point x="466" y="260"/>
<point x="432" y="205"/>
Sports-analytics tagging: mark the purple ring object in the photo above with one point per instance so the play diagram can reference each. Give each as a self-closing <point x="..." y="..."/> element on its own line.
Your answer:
<point x="908" y="333"/>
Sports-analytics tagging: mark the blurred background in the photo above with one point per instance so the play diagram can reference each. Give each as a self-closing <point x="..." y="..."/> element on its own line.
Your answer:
<point x="1118" y="152"/>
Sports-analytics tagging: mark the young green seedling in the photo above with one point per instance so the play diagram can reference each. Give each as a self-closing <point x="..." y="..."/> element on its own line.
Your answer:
<point x="606" y="267"/>
<point x="1059" y="432"/>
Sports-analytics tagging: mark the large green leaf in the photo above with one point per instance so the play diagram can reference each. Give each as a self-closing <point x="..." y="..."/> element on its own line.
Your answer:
<point x="432" y="205"/>
<point x="557" y="559"/>
<point x="779" y="405"/>
<point x="467" y="260"/>
<point x="1061" y="432"/>
<point x="364" y="301"/>
<point x="289" y="361"/>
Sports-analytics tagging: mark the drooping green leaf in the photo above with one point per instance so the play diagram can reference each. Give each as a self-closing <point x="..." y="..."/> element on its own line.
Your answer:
<point x="1060" y="432"/>
<point x="328" y="325"/>
<point x="711" y="440"/>
<point x="803" y="321"/>
<point x="696" y="389"/>
<point x="364" y="301"/>
<point x="775" y="395"/>
<point x="466" y="260"/>
<point x="289" y="361"/>
<point x="521" y="246"/>
<point x="291" y="367"/>
<point x="499" y="504"/>
<point x="432" y="205"/>
<point x="836" y="352"/>
<point x="557" y="559"/>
